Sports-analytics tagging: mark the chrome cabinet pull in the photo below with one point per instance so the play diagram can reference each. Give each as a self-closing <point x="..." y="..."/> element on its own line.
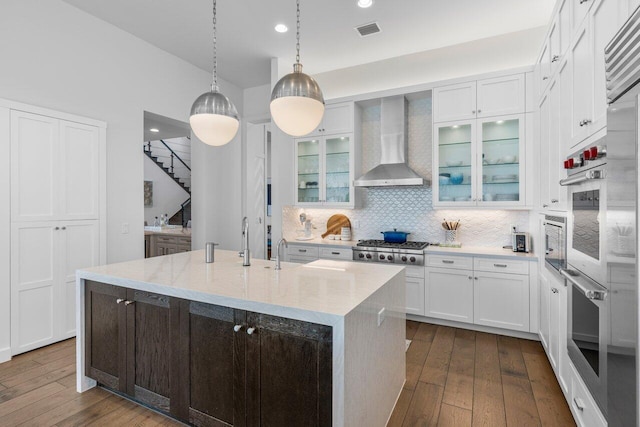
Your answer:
<point x="545" y="78"/>
<point x="476" y="278"/>
<point x="237" y="328"/>
<point x="302" y="250"/>
<point x="582" y="2"/>
<point x="120" y="300"/>
<point x="554" y="290"/>
<point x="473" y="112"/>
<point x="335" y="253"/>
<point x="554" y="200"/>
<point x="129" y="302"/>
<point x="500" y="265"/>
<point x="57" y="228"/>
<point x="555" y="58"/>
<point x="470" y="277"/>
<point x="578" y="403"/>
<point x="545" y="206"/>
<point x="64" y="228"/>
<point x="250" y="331"/>
<point x="447" y="261"/>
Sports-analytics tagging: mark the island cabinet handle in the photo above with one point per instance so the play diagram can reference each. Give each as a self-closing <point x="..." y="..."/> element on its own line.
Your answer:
<point x="302" y="250"/>
<point x="120" y="300"/>
<point x="447" y="261"/>
<point x="335" y="253"/>
<point x="578" y="403"/>
<point x="237" y="328"/>
<point x="500" y="265"/>
<point x="250" y="331"/>
<point x="129" y="302"/>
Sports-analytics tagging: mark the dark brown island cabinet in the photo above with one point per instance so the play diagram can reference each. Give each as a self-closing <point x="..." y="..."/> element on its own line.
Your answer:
<point x="208" y="365"/>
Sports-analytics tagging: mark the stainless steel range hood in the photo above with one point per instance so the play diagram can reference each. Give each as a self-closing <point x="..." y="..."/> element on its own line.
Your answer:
<point x="393" y="170"/>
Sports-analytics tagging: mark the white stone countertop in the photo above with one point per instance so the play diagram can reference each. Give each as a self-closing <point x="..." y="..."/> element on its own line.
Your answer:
<point x="186" y="232"/>
<point x="306" y="292"/>
<point x="320" y="241"/>
<point x="481" y="251"/>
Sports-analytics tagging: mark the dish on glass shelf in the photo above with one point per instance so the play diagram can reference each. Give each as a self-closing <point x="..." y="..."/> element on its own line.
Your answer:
<point x="504" y="178"/>
<point x="456" y="178"/>
<point x="507" y="197"/>
<point x="453" y="164"/>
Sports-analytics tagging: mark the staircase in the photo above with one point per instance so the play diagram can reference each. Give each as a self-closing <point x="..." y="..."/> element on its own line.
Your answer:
<point x="165" y="155"/>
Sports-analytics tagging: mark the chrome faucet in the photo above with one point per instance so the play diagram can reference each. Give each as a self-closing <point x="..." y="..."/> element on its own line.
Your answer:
<point x="244" y="253"/>
<point x="286" y="245"/>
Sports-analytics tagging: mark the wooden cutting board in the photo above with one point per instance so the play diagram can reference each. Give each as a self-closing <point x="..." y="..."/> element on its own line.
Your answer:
<point x="335" y="224"/>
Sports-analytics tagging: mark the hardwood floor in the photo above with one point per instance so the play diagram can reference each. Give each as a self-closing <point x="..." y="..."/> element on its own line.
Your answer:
<point x="455" y="378"/>
<point x="462" y="378"/>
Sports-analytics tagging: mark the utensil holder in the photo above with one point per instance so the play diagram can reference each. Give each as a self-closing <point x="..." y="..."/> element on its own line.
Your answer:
<point x="626" y="244"/>
<point x="450" y="236"/>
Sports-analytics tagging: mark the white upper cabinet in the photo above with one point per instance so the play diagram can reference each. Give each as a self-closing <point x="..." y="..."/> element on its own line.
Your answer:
<point x="484" y="98"/>
<point x="500" y="96"/>
<point x="54" y="169"/>
<point x="338" y="118"/>
<point x="543" y="67"/>
<point x="555" y="52"/>
<point x="582" y="81"/>
<point x="454" y="102"/>
<point x="564" y="23"/>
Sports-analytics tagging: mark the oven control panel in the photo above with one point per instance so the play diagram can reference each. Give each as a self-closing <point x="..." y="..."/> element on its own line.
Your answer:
<point x="587" y="158"/>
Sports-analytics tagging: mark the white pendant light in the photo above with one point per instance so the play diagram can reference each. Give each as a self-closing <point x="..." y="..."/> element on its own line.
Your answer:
<point x="214" y="118"/>
<point x="297" y="104"/>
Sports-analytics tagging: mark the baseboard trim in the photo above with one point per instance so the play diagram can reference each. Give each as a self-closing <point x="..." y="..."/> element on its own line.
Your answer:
<point x="5" y="354"/>
<point x="472" y="327"/>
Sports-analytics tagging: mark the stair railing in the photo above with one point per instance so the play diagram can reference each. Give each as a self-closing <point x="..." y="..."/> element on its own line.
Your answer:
<point x="173" y="154"/>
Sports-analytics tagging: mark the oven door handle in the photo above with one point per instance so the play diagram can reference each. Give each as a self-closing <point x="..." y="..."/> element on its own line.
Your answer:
<point x="587" y="176"/>
<point x="590" y="290"/>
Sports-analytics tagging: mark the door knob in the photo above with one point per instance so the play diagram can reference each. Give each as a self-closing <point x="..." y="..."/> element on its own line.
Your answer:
<point x="250" y="331"/>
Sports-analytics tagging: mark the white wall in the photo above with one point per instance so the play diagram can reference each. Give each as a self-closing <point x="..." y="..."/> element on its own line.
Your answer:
<point x="64" y="59"/>
<point x="5" y="240"/>
<point x="167" y="194"/>
<point x="478" y="57"/>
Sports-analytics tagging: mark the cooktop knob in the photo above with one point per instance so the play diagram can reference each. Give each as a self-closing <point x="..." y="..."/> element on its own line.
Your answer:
<point x="404" y="258"/>
<point x="360" y="255"/>
<point x="412" y="259"/>
<point x="389" y="257"/>
<point x="381" y="256"/>
<point x="368" y="256"/>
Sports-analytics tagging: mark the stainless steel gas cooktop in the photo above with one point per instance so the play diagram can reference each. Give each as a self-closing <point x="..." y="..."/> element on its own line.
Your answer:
<point x="409" y="253"/>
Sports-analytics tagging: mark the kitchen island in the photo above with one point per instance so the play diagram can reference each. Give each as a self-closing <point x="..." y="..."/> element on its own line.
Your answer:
<point x="222" y="344"/>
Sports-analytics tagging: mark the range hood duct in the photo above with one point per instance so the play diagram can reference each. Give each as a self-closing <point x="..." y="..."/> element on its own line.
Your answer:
<point x="393" y="170"/>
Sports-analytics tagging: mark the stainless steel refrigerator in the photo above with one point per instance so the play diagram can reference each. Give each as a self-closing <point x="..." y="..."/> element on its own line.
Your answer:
<point x="622" y="57"/>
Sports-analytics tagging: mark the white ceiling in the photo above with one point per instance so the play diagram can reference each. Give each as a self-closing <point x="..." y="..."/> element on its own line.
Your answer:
<point x="167" y="128"/>
<point x="247" y="40"/>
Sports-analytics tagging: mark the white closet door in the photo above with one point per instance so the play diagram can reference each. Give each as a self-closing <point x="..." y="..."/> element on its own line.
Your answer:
<point x="256" y="188"/>
<point x="34" y="272"/>
<point x="34" y="153"/>
<point x="79" y="171"/>
<point x="79" y="248"/>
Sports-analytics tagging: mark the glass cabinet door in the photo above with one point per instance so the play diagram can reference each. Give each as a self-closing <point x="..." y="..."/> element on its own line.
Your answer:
<point x="501" y="142"/>
<point x="455" y="163"/>
<point x="337" y="175"/>
<point x="308" y="171"/>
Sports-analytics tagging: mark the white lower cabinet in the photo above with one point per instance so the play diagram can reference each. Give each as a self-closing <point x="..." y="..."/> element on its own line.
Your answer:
<point x="414" y="277"/>
<point x="302" y="253"/>
<point x="484" y="291"/>
<point x="449" y="294"/>
<point x="584" y="408"/>
<point x="45" y="256"/>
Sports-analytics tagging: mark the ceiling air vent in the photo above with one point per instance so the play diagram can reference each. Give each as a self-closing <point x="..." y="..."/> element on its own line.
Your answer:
<point x="368" y="29"/>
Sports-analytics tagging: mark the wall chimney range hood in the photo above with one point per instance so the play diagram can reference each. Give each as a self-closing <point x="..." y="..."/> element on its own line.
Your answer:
<point x="393" y="170"/>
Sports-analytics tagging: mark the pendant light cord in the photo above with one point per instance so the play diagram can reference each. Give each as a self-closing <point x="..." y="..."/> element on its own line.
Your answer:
<point x="214" y="85"/>
<point x="297" y="32"/>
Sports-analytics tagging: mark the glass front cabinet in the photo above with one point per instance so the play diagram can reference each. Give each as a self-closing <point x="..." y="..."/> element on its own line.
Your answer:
<point x="480" y="163"/>
<point x="325" y="171"/>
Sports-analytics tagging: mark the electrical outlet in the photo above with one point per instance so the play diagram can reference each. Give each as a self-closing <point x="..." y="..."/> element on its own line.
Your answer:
<point x="125" y="228"/>
<point x="381" y="315"/>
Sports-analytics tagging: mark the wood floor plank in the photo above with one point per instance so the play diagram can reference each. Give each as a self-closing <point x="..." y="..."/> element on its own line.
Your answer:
<point x="519" y="403"/>
<point x="16" y="366"/>
<point x="511" y="361"/>
<point x="452" y="416"/>
<point x="63" y="352"/>
<point x="426" y="332"/>
<point x="35" y="409"/>
<point x="69" y="381"/>
<point x="424" y="408"/>
<point x="44" y="351"/>
<point x="411" y="329"/>
<point x="37" y="371"/>
<point x="466" y="334"/>
<point x="488" y="404"/>
<point x="531" y="346"/>
<point x="487" y="360"/>
<point x="147" y="419"/>
<point x="27" y="398"/>
<point x="458" y="390"/>
<point x="437" y="363"/>
<point x="92" y="413"/>
<point x="400" y="410"/>
<point x="120" y="415"/>
<point x="416" y="356"/>
<point x="66" y="410"/>
<point x="552" y="407"/>
<point x="22" y="388"/>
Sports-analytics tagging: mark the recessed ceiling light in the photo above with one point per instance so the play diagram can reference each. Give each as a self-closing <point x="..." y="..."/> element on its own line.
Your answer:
<point x="154" y="130"/>
<point x="281" y="28"/>
<point x="365" y="3"/>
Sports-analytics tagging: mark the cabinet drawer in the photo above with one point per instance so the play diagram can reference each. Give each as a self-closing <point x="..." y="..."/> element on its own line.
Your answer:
<point x="300" y="250"/>
<point x="417" y="272"/>
<point x="498" y="265"/>
<point x="583" y="406"/>
<point x="301" y="259"/>
<point x="445" y="261"/>
<point x="166" y="239"/>
<point x="185" y="241"/>
<point x="336" y="253"/>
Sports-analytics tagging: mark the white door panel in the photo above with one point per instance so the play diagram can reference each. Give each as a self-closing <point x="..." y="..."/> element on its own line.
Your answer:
<point x="34" y="152"/>
<point x="257" y="188"/>
<point x="79" y="171"/>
